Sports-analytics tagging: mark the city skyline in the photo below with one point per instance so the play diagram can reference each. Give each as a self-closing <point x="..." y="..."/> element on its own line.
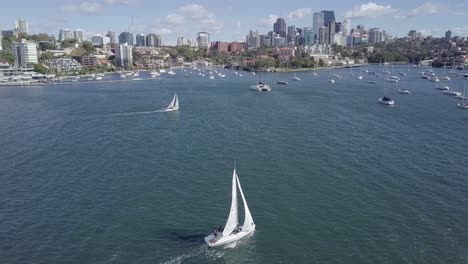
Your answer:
<point x="230" y="20"/>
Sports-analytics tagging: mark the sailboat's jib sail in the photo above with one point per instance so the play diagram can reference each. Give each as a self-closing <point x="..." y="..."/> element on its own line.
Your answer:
<point x="248" y="220"/>
<point x="232" y="221"/>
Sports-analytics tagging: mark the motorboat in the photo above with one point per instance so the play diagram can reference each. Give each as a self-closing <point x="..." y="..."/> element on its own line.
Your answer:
<point x="451" y="92"/>
<point x="282" y="82"/>
<point x="404" y="91"/>
<point x="386" y="101"/>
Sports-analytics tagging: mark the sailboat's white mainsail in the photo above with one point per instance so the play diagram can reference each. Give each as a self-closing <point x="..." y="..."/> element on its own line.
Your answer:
<point x="248" y="221"/>
<point x="233" y="220"/>
<point x="176" y="103"/>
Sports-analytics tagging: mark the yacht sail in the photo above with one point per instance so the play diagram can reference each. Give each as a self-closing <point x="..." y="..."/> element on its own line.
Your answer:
<point x="173" y="106"/>
<point x="248" y="220"/>
<point x="233" y="220"/>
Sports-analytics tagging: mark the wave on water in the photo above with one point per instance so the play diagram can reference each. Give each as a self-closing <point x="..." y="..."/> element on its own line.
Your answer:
<point x="200" y="251"/>
<point x="136" y="113"/>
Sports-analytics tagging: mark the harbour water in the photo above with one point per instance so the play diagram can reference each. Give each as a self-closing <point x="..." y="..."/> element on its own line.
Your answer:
<point x="93" y="173"/>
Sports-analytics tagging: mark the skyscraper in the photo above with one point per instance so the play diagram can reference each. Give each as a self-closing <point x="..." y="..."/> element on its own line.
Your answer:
<point x="330" y="32"/>
<point x="347" y="26"/>
<point x="25" y="53"/>
<point x="126" y="37"/>
<point x="203" y="39"/>
<point x="448" y="35"/>
<point x="328" y="16"/>
<point x="21" y="26"/>
<point x="253" y="39"/>
<point x="309" y="36"/>
<point x="158" y="42"/>
<point x="280" y="27"/>
<point x="123" y="55"/>
<point x="78" y="35"/>
<point x="291" y="39"/>
<point x="111" y="35"/>
<point x="140" y="40"/>
<point x="322" y="35"/>
<point x="317" y="23"/>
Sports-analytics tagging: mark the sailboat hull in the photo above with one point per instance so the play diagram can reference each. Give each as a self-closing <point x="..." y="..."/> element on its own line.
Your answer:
<point x="213" y="241"/>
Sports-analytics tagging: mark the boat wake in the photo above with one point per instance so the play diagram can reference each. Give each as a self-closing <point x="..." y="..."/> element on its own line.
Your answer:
<point x="202" y="251"/>
<point x="136" y="113"/>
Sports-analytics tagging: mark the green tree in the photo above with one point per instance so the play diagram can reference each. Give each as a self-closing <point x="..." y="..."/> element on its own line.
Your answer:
<point x="88" y="47"/>
<point x="46" y="56"/>
<point x="40" y="68"/>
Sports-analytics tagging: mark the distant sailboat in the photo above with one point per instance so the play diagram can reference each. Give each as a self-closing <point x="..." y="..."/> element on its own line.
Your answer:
<point x="173" y="106"/>
<point x="261" y="87"/>
<point x="295" y="78"/>
<point x="463" y="103"/>
<point x="386" y="100"/>
<point x="232" y="230"/>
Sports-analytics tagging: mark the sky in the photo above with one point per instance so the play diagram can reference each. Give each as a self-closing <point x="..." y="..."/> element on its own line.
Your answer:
<point x="230" y="20"/>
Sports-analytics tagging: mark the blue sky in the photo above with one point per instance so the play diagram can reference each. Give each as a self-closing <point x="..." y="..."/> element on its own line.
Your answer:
<point x="230" y="19"/>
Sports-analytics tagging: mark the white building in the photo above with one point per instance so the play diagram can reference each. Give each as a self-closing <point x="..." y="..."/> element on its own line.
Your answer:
<point x="346" y="26"/>
<point x="123" y="55"/>
<point x="203" y="39"/>
<point x="25" y="53"/>
<point x="21" y="26"/>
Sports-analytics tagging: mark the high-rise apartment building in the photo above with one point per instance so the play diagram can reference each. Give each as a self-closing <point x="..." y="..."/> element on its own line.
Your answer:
<point x="25" y="53"/>
<point x="21" y="26"/>
<point x="347" y="26"/>
<point x="291" y="37"/>
<point x="111" y="35"/>
<point x="78" y="35"/>
<point x="203" y="39"/>
<point x="152" y="40"/>
<point x="279" y="27"/>
<point x="126" y="37"/>
<point x="375" y="35"/>
<point x="140" y="40"/>
<point x="123" y="55"/>
<point x="65" y="34"/>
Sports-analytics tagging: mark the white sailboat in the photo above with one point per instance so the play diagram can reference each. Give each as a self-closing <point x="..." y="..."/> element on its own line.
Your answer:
<point x="261" y="87"/>
<point x="232" y="230"/>
<point x="386" y="100"/>
<point x="296" y="78"/>
<point x="173" y="106"/>
<point x="463" y="104"/>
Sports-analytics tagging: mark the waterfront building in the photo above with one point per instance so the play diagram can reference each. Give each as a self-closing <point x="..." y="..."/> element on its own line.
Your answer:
<point x="279" y="27"/>
<point x="126" y="37"/>
<point x="140" y="40"/>
<point x="203" y="39"/>
<point x="21" y="26"/>
<point x="123" y="55"/>
<point x="25" y="53"/>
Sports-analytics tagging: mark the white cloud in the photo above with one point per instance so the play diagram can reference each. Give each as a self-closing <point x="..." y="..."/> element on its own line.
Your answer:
<point x="174" y="20"/>
<point x="299" y="13"/>
<point x="268" y="21"/>
<point x="87" y="8"/>
<point x="400" y="16"/>
<point x="459" y="13"/>
<point x="121" y="2"/>
<point x="425" y="9"/>
<point x="370" y="9"/>
<point x="462" y="31"/>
